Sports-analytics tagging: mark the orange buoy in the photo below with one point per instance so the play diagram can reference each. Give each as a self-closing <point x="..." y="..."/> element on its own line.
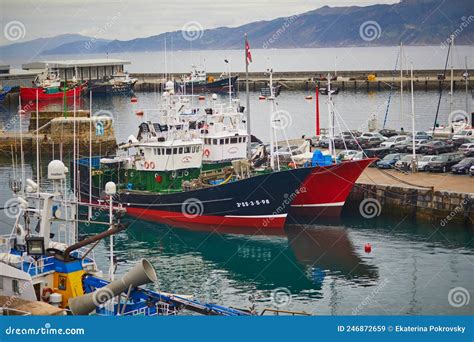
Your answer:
<point x="261" y="97"/>
<point x="202" y="97"/>
<point x="292" y="165"/>
<point x="367" y="248"/>
<point x="309" y="97"/>
<point x="139" y="113"/>
<point x="133" y="100"/>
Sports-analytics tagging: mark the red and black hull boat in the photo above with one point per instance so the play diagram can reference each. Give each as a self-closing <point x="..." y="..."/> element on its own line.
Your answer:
<point x="260" y="202"/>
<point x="29" y="94"/>
<point x="327" y="188"/>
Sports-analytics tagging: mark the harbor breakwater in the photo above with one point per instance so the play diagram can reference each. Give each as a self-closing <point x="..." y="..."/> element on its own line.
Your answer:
<point x="375" y="80"/>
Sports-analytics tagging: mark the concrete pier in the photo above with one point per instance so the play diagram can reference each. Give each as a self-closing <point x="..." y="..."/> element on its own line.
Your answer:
<point x="439" y="198"/>
<point x="56" y="135"/>
<point x="346" y="80"/>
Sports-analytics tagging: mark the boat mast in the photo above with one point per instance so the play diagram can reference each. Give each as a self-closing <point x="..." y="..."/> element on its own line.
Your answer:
<point x="332" y="150"/>
<point x="272" y="122"/>
<point x="413" y="163"/>
<point x="90" y="155"/>
<point x="249" y="151"/>
<point x="466" y="77"/>
<point x="37" y="143"/>
<point x="401" y="83"/>
<point x="452" y="75"/>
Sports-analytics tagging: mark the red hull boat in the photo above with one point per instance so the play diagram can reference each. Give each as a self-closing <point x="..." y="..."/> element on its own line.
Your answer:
<point x="327" y="188"/>
<point x="29" y="94"/>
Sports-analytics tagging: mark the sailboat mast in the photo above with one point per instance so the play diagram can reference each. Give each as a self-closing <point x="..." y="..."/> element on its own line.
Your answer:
<point x="452" y="75"/>
<point x="413" y="163"/>
<point x="466" y="81"/>
<point x="401" y="83"/>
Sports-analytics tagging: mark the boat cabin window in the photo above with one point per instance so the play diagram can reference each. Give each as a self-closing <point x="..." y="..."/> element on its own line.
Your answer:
<point x="227" y="140"/>
<point x="15" y="286"/>
<point x="214" y="142"/>
<point x="187" y="150"/>
<point x="175" y="150"/>
<point x="233" y="140"/>
<point x="180" y="150"/>
<point x="222" y="142"/>
<point x="168" y="151"/>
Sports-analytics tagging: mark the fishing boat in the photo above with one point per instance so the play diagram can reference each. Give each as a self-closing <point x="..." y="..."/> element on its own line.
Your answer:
<point x="47" y="271"/>
<point x="48" y="86"/>
<point x="197" y="81"/>
<point x="116" y="84"/>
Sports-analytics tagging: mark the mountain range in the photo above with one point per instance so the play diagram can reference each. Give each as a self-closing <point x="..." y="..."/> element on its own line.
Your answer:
<point x="413" y="22"/>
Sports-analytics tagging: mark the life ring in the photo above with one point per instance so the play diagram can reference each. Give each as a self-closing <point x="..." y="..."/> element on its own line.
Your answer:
<point x="186" y="173"/>
<point x="146" y="165"/>
<point x="173" y="174"/>
<point x="47" y="292"/>
<point x="152" y="165"/>
<point x="207" y="152"/>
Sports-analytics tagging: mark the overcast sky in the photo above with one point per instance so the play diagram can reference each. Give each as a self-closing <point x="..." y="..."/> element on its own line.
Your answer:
<point x="120" y="19"/>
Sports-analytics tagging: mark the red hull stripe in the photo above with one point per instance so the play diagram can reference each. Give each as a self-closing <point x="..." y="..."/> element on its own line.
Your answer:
<point x="212" y="221"/>
<point x="30" y="93"/>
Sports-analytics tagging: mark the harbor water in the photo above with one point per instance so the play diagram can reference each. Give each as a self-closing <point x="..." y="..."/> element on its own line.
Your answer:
<point x="320" y="268"/>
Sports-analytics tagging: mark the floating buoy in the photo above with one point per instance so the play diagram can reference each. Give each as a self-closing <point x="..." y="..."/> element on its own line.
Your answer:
<point x="261" y="97"/>
<point x="309" y="97"/>
<point x="367" y="248"/>
<point x="292" y="165"/>
<point x="133" y="100"/>
<point x="202" y="98"/>
<point x="139" y="113"/>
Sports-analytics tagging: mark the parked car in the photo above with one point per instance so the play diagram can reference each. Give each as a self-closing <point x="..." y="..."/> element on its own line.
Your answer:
<point x="444" y="162"/>
<point x="463" y="166"/>
<point x="368" y="135"/>
<point x="370" y="142"/>
<point x="436" y="147"/>
<point x="423" y="162"/>
<point x="347" y="155"/>
<point x="471" y="171"/>
<point x="323" y="141"/>
<point x="378" y="152"/>
<point x="344" y="140"/>
<point x="419" y="143"/>
<point x="421" y="135"/>
<point x="389" y="160"/>
<point x="459" y="142"/>
<point x="465" y="133"/>
<point x="466" y="148"/>
<point x="405" y="162"/>
<point x="388" y="132"/>
<point x="395" y="140"/>
<point x="359" y="156"/>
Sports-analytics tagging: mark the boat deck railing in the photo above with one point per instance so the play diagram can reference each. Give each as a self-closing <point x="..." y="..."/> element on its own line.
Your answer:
<point x="6" y="311"/>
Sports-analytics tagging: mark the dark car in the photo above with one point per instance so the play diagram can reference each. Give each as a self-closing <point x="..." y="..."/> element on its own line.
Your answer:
<point x="345" y="140"/>
<point x="463" y="166"/>
<point x="379" y="152"/>
<point x="389" y="160"/>
<point x="370" y="142"/>
<point x="461" y="141"/>
<point x="444" y="162"/>
<point x="388" y="132"/>
<point x="436" y="147"/>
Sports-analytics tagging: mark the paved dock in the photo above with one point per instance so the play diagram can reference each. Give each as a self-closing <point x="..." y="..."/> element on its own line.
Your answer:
<point x="437" y="181"/>
<point x="367" y="80"/>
